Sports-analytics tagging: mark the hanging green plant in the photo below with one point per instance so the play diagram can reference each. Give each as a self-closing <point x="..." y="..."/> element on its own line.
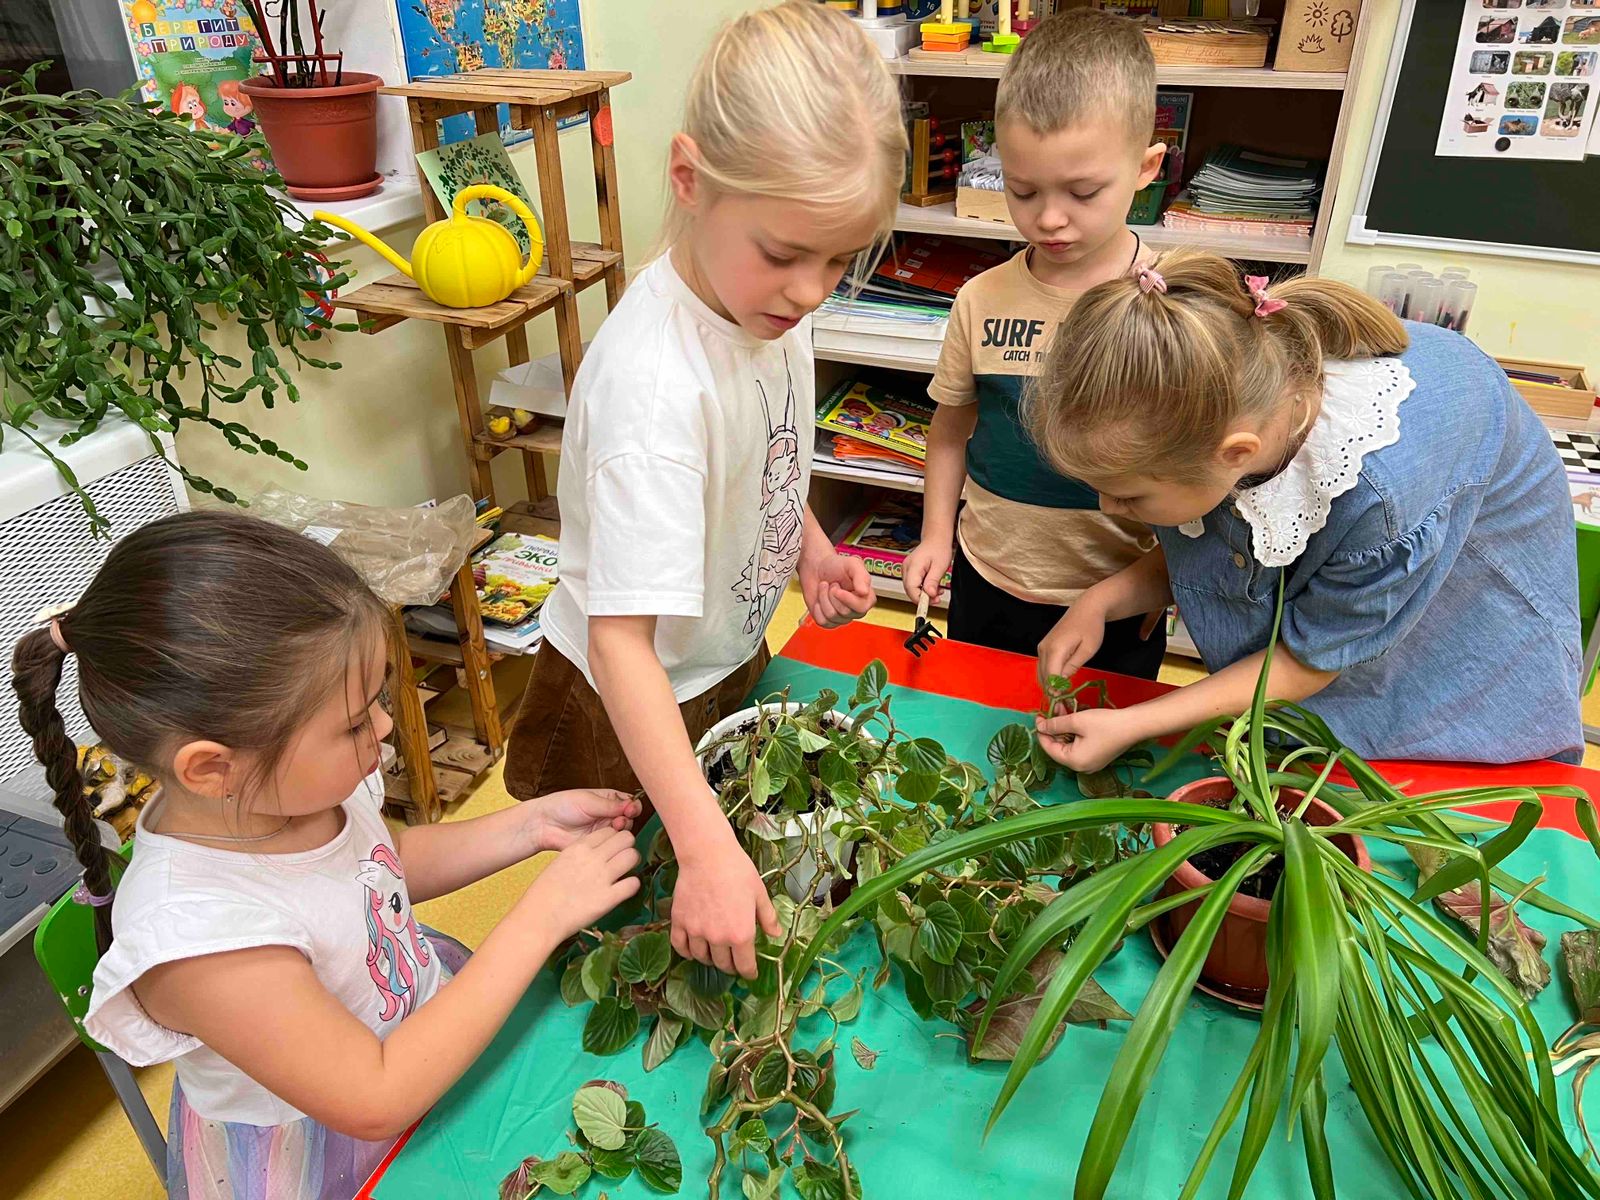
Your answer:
<point x="128" y="237"/>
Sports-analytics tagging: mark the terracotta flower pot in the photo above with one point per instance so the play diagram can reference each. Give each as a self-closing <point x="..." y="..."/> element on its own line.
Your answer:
<point x="324" y="140"/>
<point x="1237" y="963"/>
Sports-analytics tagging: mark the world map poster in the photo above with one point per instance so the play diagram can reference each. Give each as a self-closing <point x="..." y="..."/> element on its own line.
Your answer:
<point x="442" y="37"/>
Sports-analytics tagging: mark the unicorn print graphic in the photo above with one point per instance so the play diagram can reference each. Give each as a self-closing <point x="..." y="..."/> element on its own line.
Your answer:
<point x="782" y="515"/>
<point x="395" y="951"/>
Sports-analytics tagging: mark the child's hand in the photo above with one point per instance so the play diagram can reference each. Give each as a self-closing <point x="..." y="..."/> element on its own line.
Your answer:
<point x="1074" y="641"/>
<point x="715" y="907"/>
<point x="1090" y="738"/>
<point x="837" y="588"/>
<point x="925" y="566"/>
<point x="586" y="881"/>
<point x="561" y="818"/>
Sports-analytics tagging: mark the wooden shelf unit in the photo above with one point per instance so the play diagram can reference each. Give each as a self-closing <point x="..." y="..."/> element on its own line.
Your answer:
<point x="1302" y="112"/>
<point x="539" y="101"/>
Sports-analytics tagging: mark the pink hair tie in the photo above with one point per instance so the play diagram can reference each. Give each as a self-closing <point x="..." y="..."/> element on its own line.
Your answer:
<point x="82" y="895"/>
<point x="52" y="615"/>
<point x="1150" y="281"/>
<point x="1258" y="292"/>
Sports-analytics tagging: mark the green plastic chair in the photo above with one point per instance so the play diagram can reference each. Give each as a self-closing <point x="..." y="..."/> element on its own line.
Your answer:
<point x="66" y="949"/>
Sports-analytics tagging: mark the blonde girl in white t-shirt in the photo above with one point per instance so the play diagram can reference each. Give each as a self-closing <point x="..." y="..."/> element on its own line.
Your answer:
<point x="263" y="935"/>
<point x="687" y="452"/>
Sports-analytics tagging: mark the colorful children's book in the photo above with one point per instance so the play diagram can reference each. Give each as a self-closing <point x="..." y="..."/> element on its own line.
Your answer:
<point x="882" y="536"/>
<point x="863" y="409"/>
<point x="515" y="573"/>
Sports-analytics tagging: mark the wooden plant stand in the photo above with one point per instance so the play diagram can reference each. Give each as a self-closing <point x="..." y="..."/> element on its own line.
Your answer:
<point x="538" y="101"/>
<point x="422" y="781"/>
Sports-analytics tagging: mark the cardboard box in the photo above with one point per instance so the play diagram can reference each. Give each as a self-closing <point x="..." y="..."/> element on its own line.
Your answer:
<point x="1567" y="407"/>
<point x="1317" y="35"/>
<point x="982" y="204"/>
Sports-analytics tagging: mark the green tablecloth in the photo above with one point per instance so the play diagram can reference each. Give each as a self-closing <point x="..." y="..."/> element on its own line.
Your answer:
<point x="923" y="1106"/>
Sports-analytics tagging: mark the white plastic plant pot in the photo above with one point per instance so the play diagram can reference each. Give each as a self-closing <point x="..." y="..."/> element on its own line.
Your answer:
<point x="802" y="881"/>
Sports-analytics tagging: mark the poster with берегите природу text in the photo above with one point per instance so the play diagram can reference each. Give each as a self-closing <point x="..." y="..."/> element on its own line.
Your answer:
<point x="1525" y="82"/>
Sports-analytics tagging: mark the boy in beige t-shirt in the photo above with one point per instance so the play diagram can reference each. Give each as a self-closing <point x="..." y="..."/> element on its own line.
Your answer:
<point x="1073" y="119"/>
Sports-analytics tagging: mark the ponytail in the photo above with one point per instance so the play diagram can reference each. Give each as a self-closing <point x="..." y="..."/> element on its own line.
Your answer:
<point x="1148" y="379"/>
<point x="36" y="667"/>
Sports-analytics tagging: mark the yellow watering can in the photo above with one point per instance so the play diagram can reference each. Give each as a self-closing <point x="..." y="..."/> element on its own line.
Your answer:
<point x="465" y="261"/>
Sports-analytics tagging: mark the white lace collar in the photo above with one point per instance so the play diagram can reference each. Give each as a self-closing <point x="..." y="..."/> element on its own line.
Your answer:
<point x="1360" y="413"/>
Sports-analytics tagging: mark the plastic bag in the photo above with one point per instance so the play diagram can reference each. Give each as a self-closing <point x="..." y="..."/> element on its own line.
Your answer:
<point x="406" y="555"/>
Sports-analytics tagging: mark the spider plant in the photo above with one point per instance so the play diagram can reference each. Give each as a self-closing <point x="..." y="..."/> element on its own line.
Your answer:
<point x="1353" y="962"/>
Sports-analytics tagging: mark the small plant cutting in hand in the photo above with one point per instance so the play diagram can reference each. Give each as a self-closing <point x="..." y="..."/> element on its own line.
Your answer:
<point x="613" y="1140"/>
<point x="127" y="237"/>
<point x="1442" y="1052"/>
<point x="824" y="801"/>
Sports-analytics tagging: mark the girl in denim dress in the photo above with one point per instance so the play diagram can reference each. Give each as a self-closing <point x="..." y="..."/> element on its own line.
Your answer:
<point x="1388" y="473"/>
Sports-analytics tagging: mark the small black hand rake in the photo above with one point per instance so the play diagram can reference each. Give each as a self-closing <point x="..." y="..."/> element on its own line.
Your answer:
<point x="923" y="633"/>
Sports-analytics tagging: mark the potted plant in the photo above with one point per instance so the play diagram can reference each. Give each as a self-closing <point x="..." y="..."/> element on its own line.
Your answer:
<point x="320" y="120"/>
<point x="126" y="234"/>
<point x="825" y="799"/>
<point x="1352" y="960"/>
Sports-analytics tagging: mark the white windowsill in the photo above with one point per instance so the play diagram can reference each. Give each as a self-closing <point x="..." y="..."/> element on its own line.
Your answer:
<point x="396" y="202"/>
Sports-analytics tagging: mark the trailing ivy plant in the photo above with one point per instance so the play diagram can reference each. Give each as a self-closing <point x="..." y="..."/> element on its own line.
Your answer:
<point x="824" y="800"/>
<point x="127" y="237"/>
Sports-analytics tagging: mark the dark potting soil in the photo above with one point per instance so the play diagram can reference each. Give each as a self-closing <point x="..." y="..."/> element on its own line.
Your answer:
<point x="1214" y="864"/>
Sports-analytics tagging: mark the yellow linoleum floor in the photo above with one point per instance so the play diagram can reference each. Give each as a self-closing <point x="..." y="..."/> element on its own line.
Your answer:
<point x="66" y="1138"/>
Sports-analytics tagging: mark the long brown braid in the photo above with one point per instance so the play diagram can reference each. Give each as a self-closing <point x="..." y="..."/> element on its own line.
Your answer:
<point x="206" y="626"/>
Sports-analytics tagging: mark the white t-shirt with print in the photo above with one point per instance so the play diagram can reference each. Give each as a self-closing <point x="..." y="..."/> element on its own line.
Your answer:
<point x="684" y="470"/>
<point x="343" y="905"/>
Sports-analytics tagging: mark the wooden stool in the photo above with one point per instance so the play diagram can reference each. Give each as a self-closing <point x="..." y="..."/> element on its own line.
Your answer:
<point x="424" y="780"/>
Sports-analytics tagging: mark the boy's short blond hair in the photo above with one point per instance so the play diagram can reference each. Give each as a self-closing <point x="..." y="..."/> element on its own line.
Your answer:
<point x="1078" y="64"/>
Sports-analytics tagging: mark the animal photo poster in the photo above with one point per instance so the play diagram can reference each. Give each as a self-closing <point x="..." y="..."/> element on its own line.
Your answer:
<point x="1524" y="83"/>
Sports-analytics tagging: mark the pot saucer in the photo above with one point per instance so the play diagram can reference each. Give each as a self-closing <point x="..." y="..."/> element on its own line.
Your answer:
<point x="353" y="191"/>
<point x="1238" y="998"/>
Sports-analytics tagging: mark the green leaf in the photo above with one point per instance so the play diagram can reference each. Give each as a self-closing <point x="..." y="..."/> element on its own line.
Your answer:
<point x="646" y="957"/>
<point x="1580" y="954"/>
<point x="610" y="1027"/>
<point x="613" y="1164"/>
<point x="663" y="1040"/>
<point x="599" y="968"/>
<point x="655" y="1157"/>
<point x="600" y="1115"/>
<point x="563" y="1174"/>
<point x="870" y="683"/>
<point x="1011" y="746"/>
<point x="762" y="1187"/>
<point x="848" y="1006"/>
<point x="924" y="755"/>
<point x="707" y="980"/>
<point x="705" y="1011"/>
<point x="752" y="1136"/>
<point x="915" y="787"/>
<point x="572" y="989"/>
<point x="834" y="771"/>
<point x="866" y="1058"/>
<point x="1100" y="785"/>
<point x="941" y="932"/>
<point x="948" y="983"/>
<point x="821" y="1181"/>
<point x="974" y="917"/>
<point x="1312" y="917"/>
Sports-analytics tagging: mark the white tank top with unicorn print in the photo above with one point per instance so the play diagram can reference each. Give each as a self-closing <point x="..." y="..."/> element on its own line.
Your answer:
<point x="343" y="905"/>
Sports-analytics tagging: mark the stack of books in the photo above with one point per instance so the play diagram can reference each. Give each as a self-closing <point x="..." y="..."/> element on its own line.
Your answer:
<point x="872" y="427"/>
<point x="908" y="291"/>
<point x="884" y="534"/>
<point x="1248" y="192"/>
<point x="515" y="573"/>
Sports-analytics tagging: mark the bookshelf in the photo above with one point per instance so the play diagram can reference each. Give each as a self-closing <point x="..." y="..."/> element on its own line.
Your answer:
<point x="1302" y="113"/>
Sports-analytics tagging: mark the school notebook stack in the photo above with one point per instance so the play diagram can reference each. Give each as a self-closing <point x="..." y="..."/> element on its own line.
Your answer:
<point x="1245" y="191"/>
<point x="873" y="423"/>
